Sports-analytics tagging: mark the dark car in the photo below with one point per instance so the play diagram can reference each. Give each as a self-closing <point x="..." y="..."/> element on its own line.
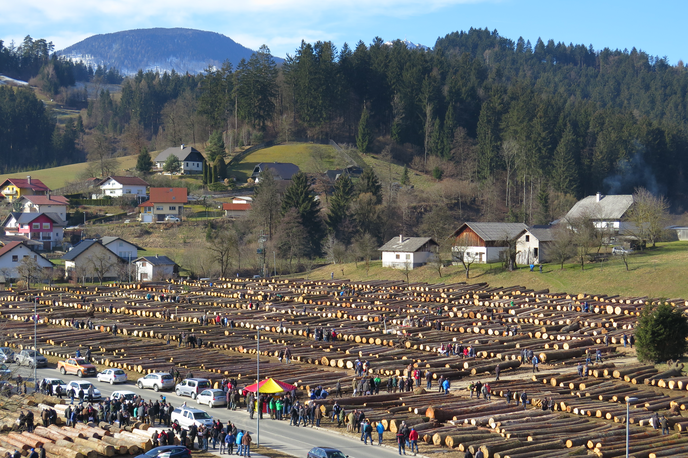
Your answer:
<point x="325" y="452"/>
<point x="167" y="451"/>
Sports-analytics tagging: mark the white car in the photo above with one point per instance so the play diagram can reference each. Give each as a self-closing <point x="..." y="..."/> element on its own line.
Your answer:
<point x="172" y="218"/>
<point x="55" y="382"/>
<point x="123" y="395"/>
<point x="112" y="376"/>
<point x="212" y="398"/>
<point x="158" y="381"/>
<point x="6" y="354"/>
<point x="81" y="384"/>
<point x="187" y="416"/>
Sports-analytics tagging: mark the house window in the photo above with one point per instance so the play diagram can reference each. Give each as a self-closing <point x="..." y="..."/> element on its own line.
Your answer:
<point x="527" y="238"/>
<point x="398" y="256"/>
<point x="535" y="252"/>
<point x="158" y="208"/>
<point x="36" y="225"/>
<point x="15" y="258"/>
<point x="186" y="164"/>
<point x="173" y="207"/>
<point x="408" y="257"/>
<point x="128" y="191"/>
<point x="46" y="225"/>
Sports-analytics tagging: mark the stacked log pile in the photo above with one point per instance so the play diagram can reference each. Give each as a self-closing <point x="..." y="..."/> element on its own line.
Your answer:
<point x="395" y="327"/>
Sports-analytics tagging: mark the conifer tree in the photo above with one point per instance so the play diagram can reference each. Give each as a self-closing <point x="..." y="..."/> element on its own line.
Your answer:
<point x="144" y="163"/>
<point x="339" y="203"/>
<point x="363" y="136"/>
<point x="299" y="197"/>
<point x="405" y="180"/>
<point x="368" y="183"/>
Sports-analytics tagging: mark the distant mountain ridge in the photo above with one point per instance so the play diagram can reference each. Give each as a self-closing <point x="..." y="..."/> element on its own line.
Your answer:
<point x="179" y="49"/>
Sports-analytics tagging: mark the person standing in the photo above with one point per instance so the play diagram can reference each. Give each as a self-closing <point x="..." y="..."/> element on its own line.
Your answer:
<point x="401" y="441"/>
<point x="497" y="370"/>
<point x="665" y="428"/>
<point x="413" y="440"/>
<point x="239" y="443"/>
<point x="246" y="442"/>
<point x="524" y="399"/>
<point x="380" y="431"/>
<point x="368" y="433"/>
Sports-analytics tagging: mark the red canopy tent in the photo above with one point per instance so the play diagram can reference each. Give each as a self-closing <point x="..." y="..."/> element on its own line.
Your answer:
<point x="270" y="386"/>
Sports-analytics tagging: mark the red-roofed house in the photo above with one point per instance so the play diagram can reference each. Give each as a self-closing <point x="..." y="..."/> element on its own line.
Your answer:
<point x="11" y="256"/>
<point x="114" y="186"/>
<point x="46" y="204"/>
<point x="163" y="202"/>
<point x="238" y="207"/>
<point x="14" y="188"/>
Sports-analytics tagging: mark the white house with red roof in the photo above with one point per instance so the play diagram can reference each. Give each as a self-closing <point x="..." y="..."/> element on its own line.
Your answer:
<point x="11" y="256"/>
<point x="14" y="188"/>
<point x="163" y="202"/>
<point x="45" y="204"/>
<point x="117" y="186"/>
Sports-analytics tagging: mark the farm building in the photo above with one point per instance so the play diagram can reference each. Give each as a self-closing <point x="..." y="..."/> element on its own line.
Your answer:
<point x="407" y="252"/>
<point x="606" y="212"/>
<point x="533" y="244"/>
<point x="154" y="268"/>
<point x="484" y="242"/>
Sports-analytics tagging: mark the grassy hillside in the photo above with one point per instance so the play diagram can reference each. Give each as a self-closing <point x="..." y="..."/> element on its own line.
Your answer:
<point x="56" y="177"/>
<point x="658" y="273"/>
<point x="309" y="157"/>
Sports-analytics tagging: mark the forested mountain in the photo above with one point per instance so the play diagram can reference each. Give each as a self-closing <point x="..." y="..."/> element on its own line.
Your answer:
<point x="178" y="49"/>
<point x="519" y="130"/>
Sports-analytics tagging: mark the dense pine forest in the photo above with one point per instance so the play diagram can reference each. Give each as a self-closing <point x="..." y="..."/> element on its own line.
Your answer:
<point x="539" y="121"/>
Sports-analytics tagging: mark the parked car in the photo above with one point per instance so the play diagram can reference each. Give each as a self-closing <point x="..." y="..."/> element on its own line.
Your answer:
<point x="212" y="398"/>
<point x="172" y="219"/>
<point x="112" y="376"/>
<point x="187" y="416"/>
<point x="325" y="452"/>
<point x="6" y="354"/>
<point x="55" y="382"/>
<point x="5" y="372"/>
<point x="31" y="358"/>
<point x="191" y="387"/>
<point x="123" y="395"/>
<point x="76" y="366"/>
<point x="76" y="385"/>
<point x="158" y="381"/>
<point x="619" y="250"/>
<point x="167" y="451"/>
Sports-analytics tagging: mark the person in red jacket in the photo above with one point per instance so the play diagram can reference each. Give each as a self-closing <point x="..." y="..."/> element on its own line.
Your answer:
<point x="413" y="439"/>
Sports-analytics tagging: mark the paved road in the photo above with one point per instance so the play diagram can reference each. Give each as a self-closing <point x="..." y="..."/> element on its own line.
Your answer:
<point x="273" y="434"/>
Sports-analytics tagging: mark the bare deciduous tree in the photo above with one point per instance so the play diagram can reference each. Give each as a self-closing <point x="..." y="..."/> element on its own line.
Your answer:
<point x="649" y="215"/>
<point x="561" y="249"/>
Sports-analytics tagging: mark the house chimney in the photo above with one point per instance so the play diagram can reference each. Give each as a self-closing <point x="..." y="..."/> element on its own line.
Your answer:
<point x="401" y="238"/>
<point x="598" y="197"/>
<point x="28" y="178"/>
<point x="182" y="146"/>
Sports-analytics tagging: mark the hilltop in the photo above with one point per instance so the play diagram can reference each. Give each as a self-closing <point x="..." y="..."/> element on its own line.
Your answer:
<point x="158" y="49"/>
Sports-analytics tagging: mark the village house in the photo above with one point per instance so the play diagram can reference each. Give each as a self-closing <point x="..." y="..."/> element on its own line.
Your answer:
<point x="607" y="213"/>
<point x="45" y="204"/>
<point x="11" y="256"/>
<point x="238" y="207"/>
<point x="163" y="203"/>
<point x="125" y="250"/>
<point x="45" y="228"/>
<point x="14" y="188"/>
<point x="91" y="259"/>
<point x="190" y="158"/>
<point x="533" y="245"/>
<point x="280" y="170"/>
<point x="484" y="242"/>
<point x="407" y="252"/>
<point x="154" y="268"/>
<point x="116" y="186"/>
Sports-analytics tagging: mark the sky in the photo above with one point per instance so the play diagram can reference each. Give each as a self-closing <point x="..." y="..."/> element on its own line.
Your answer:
<point x="655" y="27"/>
